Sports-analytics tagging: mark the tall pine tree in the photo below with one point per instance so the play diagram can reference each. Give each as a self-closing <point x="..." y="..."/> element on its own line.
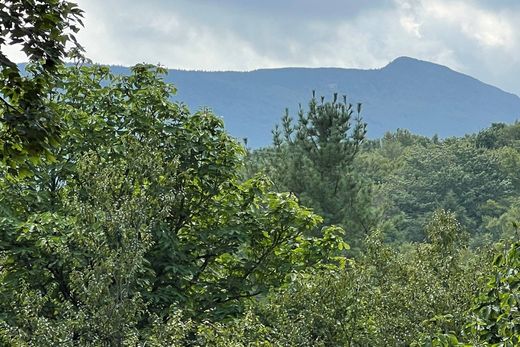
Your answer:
<point x="314" y="159"/>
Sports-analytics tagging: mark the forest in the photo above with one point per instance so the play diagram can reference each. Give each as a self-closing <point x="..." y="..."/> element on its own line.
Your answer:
<point x="127" y="220"/>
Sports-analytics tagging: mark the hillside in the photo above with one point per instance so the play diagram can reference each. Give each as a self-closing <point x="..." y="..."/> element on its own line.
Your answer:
<point x="423" y="97"/>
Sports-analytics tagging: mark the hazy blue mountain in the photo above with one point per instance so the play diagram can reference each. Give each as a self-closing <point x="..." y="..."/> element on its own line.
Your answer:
<point x="423" y="97"/>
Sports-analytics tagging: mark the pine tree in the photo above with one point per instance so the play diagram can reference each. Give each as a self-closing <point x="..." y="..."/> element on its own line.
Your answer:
<point x="314" y="159"/>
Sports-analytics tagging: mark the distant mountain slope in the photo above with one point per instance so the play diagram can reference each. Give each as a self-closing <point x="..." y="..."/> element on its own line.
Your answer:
<point x="423" y="97"/>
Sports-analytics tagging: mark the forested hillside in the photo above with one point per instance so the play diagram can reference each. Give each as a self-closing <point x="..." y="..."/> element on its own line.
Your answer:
<point x="127" y="220"/>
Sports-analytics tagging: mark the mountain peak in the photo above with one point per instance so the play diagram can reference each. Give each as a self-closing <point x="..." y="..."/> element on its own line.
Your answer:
<point x="406" y="60"/>
<point x="409" y="62"/>
<point x="413" y="66"/>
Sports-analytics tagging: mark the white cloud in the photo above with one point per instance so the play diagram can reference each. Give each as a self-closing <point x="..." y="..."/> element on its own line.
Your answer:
<point x="411" y="25"/>
<point x="478" y="37"/>
<point x="14" y="52"/>
<point x="472" y="36"/>
<point x="408" y="17"/>
<point x="487" y="28"/>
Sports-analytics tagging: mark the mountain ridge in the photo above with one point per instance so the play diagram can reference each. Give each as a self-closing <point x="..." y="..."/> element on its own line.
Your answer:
<point x="424" y="97"/>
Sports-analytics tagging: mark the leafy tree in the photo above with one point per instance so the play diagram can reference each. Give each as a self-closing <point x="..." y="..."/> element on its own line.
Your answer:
<point x="509" y="161"/>
<point x="505" y="225"/>
<point x="28" y="124"/>
<point x="141" y="226"/>
<point x="140" y="211"/>
<point x="493" y="320"/>
<point x="499" y="135"/>
<point x="418" y="282"/>
<point x="496" y="315"/>
<point x="454" y="175"/>
<point x="387" y="297"/>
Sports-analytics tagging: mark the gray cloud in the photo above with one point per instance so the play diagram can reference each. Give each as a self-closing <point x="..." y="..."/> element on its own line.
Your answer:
<point x="478" y="37"/>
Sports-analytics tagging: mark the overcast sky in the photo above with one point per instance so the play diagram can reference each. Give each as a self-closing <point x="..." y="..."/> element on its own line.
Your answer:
<point x="477" y="37"/>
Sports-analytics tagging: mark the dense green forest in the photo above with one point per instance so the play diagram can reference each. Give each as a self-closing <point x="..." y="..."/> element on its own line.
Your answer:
<point x="126" y="220"/>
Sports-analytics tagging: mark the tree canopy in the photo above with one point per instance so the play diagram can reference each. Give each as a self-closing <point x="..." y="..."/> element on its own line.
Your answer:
<point x="42" y="29"/>
<point x="127" y="220"/>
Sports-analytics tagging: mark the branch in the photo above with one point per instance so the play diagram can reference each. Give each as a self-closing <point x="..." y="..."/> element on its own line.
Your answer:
<point x="238" y="296"/>
<point x="9" y="105"/>
<point x="207" y="258"/>
<point x="264" y="255"/>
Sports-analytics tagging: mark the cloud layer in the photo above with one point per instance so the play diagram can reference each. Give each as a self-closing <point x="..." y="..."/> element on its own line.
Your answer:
<point x="477" y="37"/>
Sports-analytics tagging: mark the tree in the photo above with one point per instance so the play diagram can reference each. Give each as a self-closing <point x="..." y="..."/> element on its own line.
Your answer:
<point x="313" y="159"/>
<point x="28" y="124"/>
<point x="140" y="214"/>
<point x="322" y="138"/>
<point x="455" y="175"/>
<point x="495" y="319"/>
<point x="499" y="135"/>
<point x="385" y="297"/>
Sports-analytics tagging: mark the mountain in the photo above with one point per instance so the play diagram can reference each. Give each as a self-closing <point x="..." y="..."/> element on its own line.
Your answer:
<point x="423" y="97"/>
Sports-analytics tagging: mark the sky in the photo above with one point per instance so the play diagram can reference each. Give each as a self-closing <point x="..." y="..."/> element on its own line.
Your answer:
<point x="477" y="37"/>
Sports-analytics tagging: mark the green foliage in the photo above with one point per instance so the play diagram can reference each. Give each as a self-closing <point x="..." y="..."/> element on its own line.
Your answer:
<point x="455" y="175"/>
<point x="313" y="158"/>
<point x="29" y="126"/>
<point x="316" y="152"/>
<point x="499" y="135"/>
<point x="321" y="309"/>
<point x="141" y="213"/>
<point x="422" y="281"/>
<point x="141" y="226"/>
<point x="494" y="318"/>
<point x="245" y="331"/>
<point x="385" y="298"/>
<point x="496" y="314"/>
